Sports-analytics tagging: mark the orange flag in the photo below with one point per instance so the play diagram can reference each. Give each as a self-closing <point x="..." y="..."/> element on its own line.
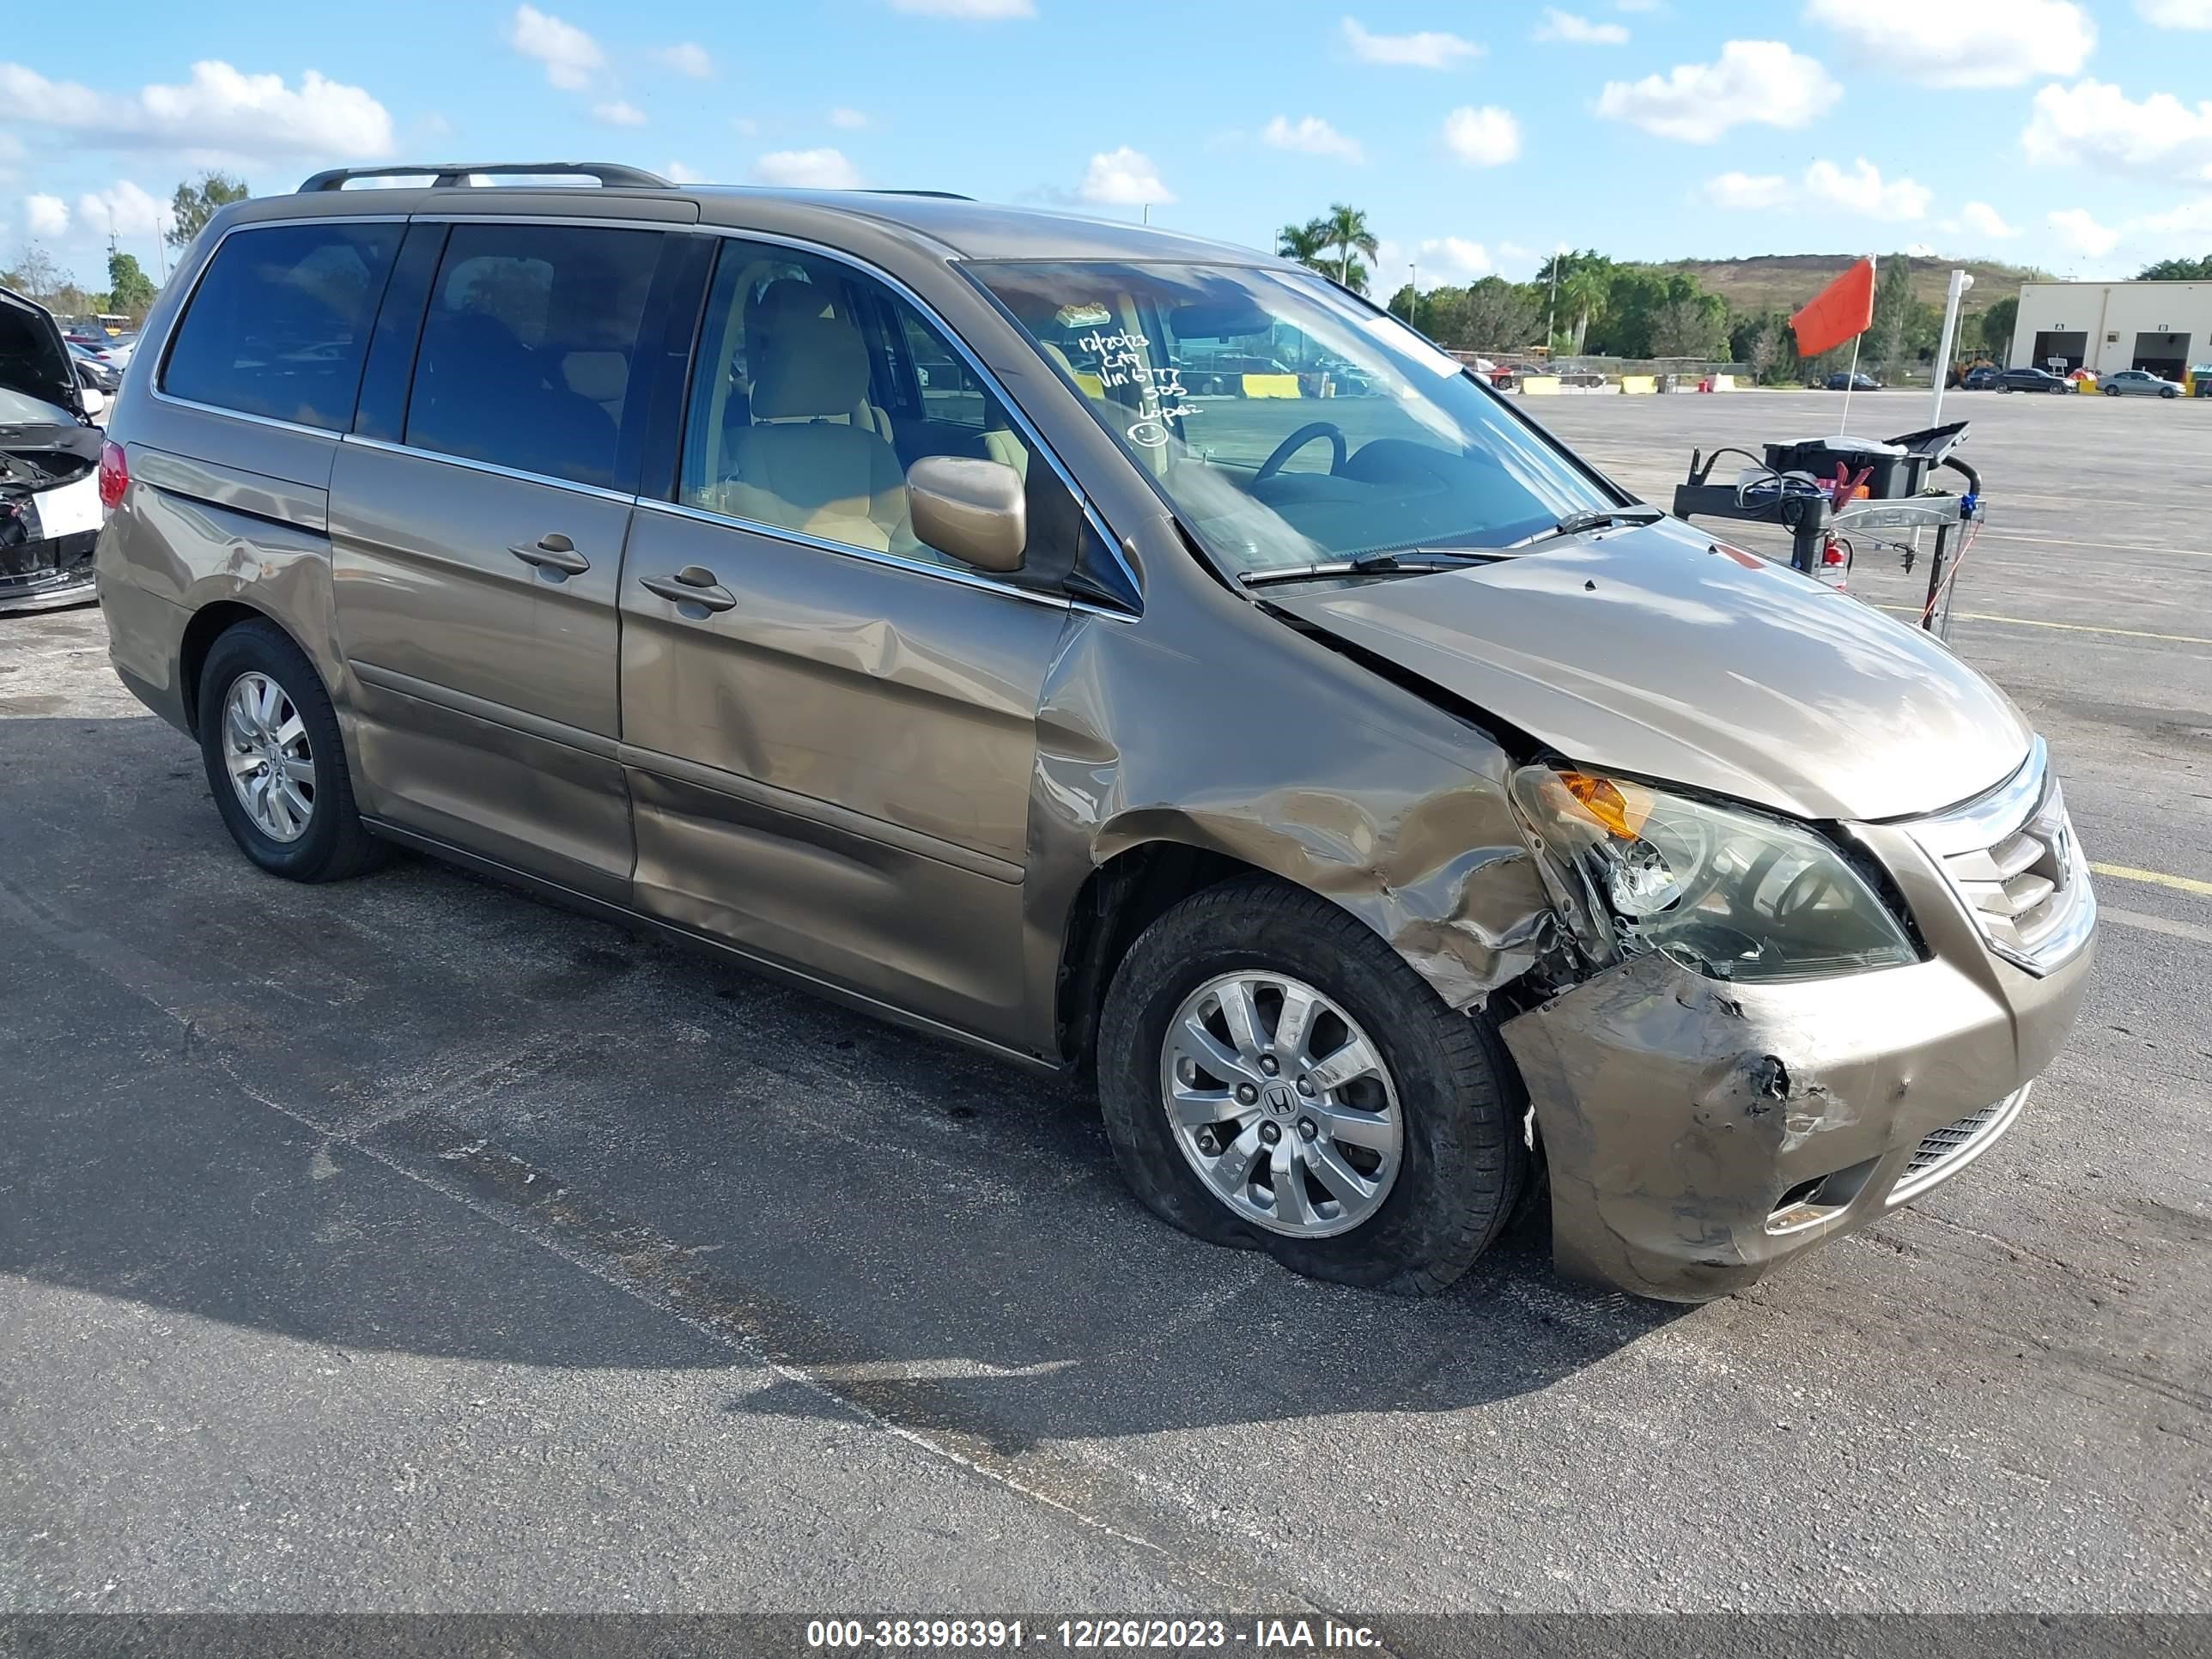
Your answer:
<point x="1839" y="311"/>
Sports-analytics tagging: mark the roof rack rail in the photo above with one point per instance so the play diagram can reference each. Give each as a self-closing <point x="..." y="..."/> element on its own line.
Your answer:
<point x="448" y="175"/>
<point x="940" y="194"/>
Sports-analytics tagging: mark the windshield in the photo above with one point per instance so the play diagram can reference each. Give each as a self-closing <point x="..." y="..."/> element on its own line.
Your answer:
<point x="18" y="409"/>
<point x="1289" y="423"/>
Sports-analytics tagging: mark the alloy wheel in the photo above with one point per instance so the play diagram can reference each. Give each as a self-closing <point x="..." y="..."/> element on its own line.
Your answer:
<point x="1281" y="1104"/>
<point x="264" y="746"/>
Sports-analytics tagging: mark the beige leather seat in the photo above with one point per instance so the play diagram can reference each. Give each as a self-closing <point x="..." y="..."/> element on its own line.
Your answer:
<point x="802" y="464"/>
<point x="787" y="298"/>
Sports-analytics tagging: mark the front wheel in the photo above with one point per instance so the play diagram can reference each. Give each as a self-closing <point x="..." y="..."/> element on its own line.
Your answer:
<point x="275" y="761"/>
<point x="1273" y="1076"/>
<point x="2112" y="392"/>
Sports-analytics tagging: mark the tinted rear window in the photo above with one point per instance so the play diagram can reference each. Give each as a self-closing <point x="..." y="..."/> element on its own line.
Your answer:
<point x="527" y="348"/>
<point x="280" y="323"/>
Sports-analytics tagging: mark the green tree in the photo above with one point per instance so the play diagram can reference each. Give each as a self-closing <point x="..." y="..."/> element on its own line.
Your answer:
<point x="1585" y="293"/>
<point x="1307" y="243"/>
<point x="130" y="289"/>
<point x="197" y="202"/>
<point x="1489" y="315"/>
<point x="1995" y="326"/>
<point x="35" y="275"/>
<point x="2178" y="271"/>
<point x="1348" y="234"/>
<point x="1892" y="312"/>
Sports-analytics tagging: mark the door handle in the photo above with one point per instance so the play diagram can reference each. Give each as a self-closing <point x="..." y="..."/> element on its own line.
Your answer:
<point x="552" y="551"/>
<point x="693" y="585"/>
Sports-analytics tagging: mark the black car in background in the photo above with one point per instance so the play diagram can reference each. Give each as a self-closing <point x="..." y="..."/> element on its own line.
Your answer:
<point x="1858" y="381"/>
<point x="2032" y="380"/>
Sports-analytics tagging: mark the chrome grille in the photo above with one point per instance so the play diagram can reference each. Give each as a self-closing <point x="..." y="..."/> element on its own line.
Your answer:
<point x="2011" y="856"/>
<point x="1943" y="1153"/>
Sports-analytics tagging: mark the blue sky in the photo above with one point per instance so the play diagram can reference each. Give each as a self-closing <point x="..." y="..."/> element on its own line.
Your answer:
<point x="1477" y="134"/>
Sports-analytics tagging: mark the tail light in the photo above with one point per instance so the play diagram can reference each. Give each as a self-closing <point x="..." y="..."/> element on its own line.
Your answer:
<point x="114" y="474"/>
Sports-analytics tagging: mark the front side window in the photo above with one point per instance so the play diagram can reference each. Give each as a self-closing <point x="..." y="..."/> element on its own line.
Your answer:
<point x="1288" y="423"/>
<point x="815" y="389"/>
<point x="279" y="324"/>
<point x="528" y="345"/>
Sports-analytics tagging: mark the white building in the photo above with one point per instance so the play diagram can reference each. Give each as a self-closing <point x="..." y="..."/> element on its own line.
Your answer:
<point x="2161" y="327"/>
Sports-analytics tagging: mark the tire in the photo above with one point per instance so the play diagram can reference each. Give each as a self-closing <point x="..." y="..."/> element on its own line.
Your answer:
<point x="332" y="843"/>
<point x="1461" y="1165"/>
<point x="2112" y="392"/>
<point x="2169" y="394"/>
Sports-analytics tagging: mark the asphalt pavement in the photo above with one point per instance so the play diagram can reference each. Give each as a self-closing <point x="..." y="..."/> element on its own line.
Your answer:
<point x="408" y="1244"/>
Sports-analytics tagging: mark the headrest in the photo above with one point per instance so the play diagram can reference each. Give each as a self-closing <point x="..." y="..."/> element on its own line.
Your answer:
<point x="601" y="376"/>
<point x="809" y="366"/>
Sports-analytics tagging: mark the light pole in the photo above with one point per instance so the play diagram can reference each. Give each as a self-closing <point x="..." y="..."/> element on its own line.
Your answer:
<point x="1413" y="293"/>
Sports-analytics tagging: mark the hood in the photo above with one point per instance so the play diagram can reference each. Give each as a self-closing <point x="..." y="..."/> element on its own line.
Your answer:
<point x="1652" y="651"/>
<point x="35" y="360"/>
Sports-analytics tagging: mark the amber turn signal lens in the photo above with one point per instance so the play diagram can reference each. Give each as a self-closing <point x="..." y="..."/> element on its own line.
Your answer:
<point x="1621" y="809"/>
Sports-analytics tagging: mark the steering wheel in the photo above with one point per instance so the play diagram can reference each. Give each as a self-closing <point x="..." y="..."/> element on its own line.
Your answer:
<point x="1298" y="440"/>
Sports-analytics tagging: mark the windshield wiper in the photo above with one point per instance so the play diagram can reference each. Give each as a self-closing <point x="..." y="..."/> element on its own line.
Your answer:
<point x="1417" y="563"/>
<point x="1597" y="517"/>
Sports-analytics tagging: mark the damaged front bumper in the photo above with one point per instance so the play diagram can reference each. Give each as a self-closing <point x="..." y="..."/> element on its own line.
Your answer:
<point x="1699" y="1131"/>
<point x="46" y="539"/>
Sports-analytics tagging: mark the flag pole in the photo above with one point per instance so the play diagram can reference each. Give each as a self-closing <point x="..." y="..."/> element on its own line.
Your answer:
<point x="1842" y="427"/>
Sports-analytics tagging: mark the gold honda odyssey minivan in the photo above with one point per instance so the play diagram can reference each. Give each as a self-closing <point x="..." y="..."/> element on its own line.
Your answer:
<point x="1117" y="650"/>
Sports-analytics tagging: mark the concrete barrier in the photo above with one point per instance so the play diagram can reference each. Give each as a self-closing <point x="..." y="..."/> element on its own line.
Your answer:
<point x="1541" y="386"/>
<point x="1636" y="386"/>
<point x="1272" y="385"/>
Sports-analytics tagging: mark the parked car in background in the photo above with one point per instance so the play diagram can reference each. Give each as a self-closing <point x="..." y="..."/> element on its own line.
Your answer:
<point x="49" y="448"/>
<point x="101" y="376"/>
<point x="1371" y="805"/>
<point x="2032" y="380"/>
<point x="2137" y="383"/>
<point x="1984" y="379"/>
<point x="1861" y="381"/>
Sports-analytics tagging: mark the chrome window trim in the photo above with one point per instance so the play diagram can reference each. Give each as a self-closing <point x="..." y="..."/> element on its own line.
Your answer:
<point x="491" y="467"/>
<point x="867" y="555"/>
<point x="153" y="381"/>
<point x="1014" y="411"/>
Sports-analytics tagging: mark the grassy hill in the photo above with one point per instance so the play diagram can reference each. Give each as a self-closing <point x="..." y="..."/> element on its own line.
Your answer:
<point x="1783" y="282"/>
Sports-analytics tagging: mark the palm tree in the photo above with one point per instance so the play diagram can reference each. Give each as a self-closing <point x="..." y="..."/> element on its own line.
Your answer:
<point x="1585" y="290"/>
<point x="1347" y="233"/>
<point x="1305" y="243"/>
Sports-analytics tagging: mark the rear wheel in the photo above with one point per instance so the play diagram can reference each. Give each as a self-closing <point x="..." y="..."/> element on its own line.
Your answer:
<point x="1273" y="1076"/>
<point x="275" y="761"/>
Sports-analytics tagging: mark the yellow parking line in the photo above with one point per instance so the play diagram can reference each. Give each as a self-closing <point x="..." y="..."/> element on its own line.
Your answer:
<point x="2071" y="628"/>
<point x="2156" y="878"/>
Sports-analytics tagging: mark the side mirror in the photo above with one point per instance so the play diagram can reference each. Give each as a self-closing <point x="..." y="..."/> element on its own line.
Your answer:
<point x="974" y="510"/>
<point x="94" y="401"/>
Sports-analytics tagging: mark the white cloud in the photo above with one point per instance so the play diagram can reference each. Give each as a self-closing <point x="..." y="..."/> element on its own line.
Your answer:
<point x="1864" y="191"/>
<point x="1753" y="81"/>
<point x="1313" y="136"/>
<point x="1746" y="190"/>
<point x="1485" y="138"/>
<point x="11" y="151"/>
<point x="1860" y="189"/>
<point x="1430" y="49"/>
<point x="677" y="173"/>
<point x="2081" y="233"/>
<point x="1961" y="43"/>
<point x="807" y="169"/>
<point x="220" y="112"/>
<point x="1453" y="259"/>
<point x="2193" y="217"/>
<point x="974" y="11"/>
<point x="569" y="55"/>
<point x="745" y="126"/>
<point x="1981" y="217"/>
<point x="1565" y="26"/>
<point x="2177" y="13"/>
<point x="687" y="58"/>
<point x="46" y="216"/>
<point x="2094" y="124"/>
<point x="124" y="209"/>
<point x="1123" y="178"/>
<point x="852" y="120"/>
<point x="619" y="113"/>
<point x="1637" y="5"/>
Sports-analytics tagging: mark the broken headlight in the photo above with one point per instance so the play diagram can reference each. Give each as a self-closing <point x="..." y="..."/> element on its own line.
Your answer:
<point x="1725" y="892"/>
